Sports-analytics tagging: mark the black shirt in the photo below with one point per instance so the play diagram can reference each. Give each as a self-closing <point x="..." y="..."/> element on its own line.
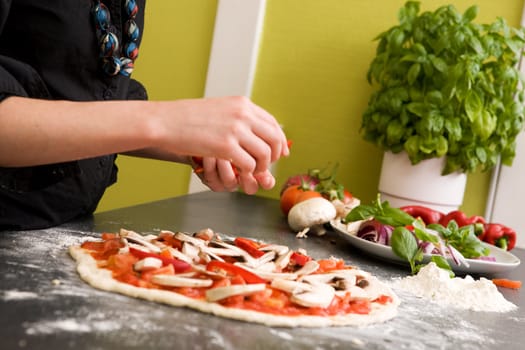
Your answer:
<point x="49" y="50"/>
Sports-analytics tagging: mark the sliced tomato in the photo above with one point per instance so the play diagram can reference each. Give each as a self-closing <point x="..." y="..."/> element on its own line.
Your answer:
<point x="121" y="263"/>
<point x="107" y="236"/>
<point x="326" y="265"/>
<point x="164" y="270"/>
<point x="250" y="246"/>
<point x="360" y="306"/>
<point x="103" y="249"/>
<point x="130" y="278"/>
<point x="383" y="299"/>
<point x="234" y="270"/>
<point x="166" y="253"/>
<point x="179" y="265"/>
<point x="195" y="293"/>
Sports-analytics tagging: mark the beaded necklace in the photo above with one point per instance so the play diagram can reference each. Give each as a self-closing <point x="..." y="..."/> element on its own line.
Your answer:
<point x="116" y="60"/>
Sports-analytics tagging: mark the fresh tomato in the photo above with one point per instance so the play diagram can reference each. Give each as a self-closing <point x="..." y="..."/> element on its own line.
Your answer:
<point x="347" y="196"/>
<point x="305" y="180"/>
<point x="295" y="194"/>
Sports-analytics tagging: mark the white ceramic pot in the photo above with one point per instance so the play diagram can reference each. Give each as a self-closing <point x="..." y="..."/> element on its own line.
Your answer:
<point x="402" y="183"/>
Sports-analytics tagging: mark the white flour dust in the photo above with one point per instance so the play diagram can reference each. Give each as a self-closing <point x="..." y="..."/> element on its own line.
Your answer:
<point x="9" y="295"/>
<point x="434" y="283"/>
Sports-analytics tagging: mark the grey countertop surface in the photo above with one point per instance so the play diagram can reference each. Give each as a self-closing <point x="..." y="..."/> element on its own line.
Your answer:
<point x="45" y="305"/>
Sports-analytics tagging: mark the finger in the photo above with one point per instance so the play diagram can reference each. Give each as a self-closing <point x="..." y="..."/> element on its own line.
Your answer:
<point x="265" y="179"/>
<point x="248" y="183"/>
<point x="211" y="176"/>
<point x="227" y="175"/>
<point x="259" y="151"/>
<point x="275" y="130"/>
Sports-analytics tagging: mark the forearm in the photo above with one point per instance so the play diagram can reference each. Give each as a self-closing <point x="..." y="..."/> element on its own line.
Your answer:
<point x="159" y="154"/>
<point x="34" y="132"/>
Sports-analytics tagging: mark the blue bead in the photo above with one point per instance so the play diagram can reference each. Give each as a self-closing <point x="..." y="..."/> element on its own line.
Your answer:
<point x="131" y="8"/>
<point x="131" y="50"/>
<point x="132" y="30"/>
<point x="111" y="65"/>
<point x="109" y="44"/>
<point x="127" y="66"/>
<point x="102" y="16"/>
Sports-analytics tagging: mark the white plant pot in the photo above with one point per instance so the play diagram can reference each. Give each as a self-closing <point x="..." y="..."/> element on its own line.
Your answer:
<point x="402" y="183"/>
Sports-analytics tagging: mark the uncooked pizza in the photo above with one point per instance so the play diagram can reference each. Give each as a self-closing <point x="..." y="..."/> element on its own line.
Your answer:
<point x="239" y="278"/>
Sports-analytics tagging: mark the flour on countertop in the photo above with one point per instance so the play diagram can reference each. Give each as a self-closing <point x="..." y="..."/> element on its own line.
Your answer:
<point x="434" y="283"/>
<point x="18" y="295"/>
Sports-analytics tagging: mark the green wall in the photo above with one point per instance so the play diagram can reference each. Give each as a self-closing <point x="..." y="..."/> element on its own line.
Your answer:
<point x="311" y="75"/>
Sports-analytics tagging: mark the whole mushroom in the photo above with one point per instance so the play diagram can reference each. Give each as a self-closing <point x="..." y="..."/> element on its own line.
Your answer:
<point x="311" y="215"/>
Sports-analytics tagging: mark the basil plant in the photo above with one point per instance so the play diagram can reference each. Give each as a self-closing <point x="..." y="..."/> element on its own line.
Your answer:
<point x="447" y="86"/>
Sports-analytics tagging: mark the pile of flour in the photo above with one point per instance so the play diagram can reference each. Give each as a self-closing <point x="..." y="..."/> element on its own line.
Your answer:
<point x="435" y="284"/>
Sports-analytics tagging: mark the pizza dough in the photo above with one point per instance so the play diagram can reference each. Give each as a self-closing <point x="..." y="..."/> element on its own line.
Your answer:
<point x="91" y="271"/>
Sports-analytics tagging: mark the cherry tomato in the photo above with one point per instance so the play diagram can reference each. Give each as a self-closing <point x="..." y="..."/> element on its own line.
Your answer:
<point x="347" y="196"/>
<point x="295" y="194"/>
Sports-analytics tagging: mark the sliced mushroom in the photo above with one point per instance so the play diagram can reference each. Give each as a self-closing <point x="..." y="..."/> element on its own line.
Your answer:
<point x="220" y="251"/>
<point x="179" y="255"/>
<point x="305" y="294"/>
<point x="310" y="267"/>
<point x="320" y="295"/>
<point x="343" y="208"/>
<point x="290" y="286"/>
<point x="282" y="261"/>
<point x="311" y="215"/>
<point x="219" y="293"/>
<point x="328" y="278"/>
<point x="352" y="228"/>
<point x="137" y="238"/>
<point x="187" y="238"/>
<point x="205" y="234"/>
<point x="190" y="251"/>
<point x="277" y="248"/>
<point x="250" y="260"/>
<point x="179" y="281"/>
<point x="149" y="263"/>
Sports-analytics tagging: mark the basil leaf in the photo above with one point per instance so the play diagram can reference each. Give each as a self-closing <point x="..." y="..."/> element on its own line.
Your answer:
<point x="404" y="245"/>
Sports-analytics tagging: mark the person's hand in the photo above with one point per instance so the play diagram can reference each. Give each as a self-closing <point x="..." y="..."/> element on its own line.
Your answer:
<point x="220" y="175"/>
<point x="225" y="131"/>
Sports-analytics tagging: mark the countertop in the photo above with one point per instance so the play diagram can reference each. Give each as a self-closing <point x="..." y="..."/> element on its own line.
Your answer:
<point x="45" y="305"/>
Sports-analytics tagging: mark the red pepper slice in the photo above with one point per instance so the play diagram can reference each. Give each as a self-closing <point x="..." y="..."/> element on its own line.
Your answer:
<point x="428" y="215"/>
<point x="179" y="265"/>
<point x="299" y="259"/>
<point x="250" y="246"/>
<point x="234" y="270"/>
